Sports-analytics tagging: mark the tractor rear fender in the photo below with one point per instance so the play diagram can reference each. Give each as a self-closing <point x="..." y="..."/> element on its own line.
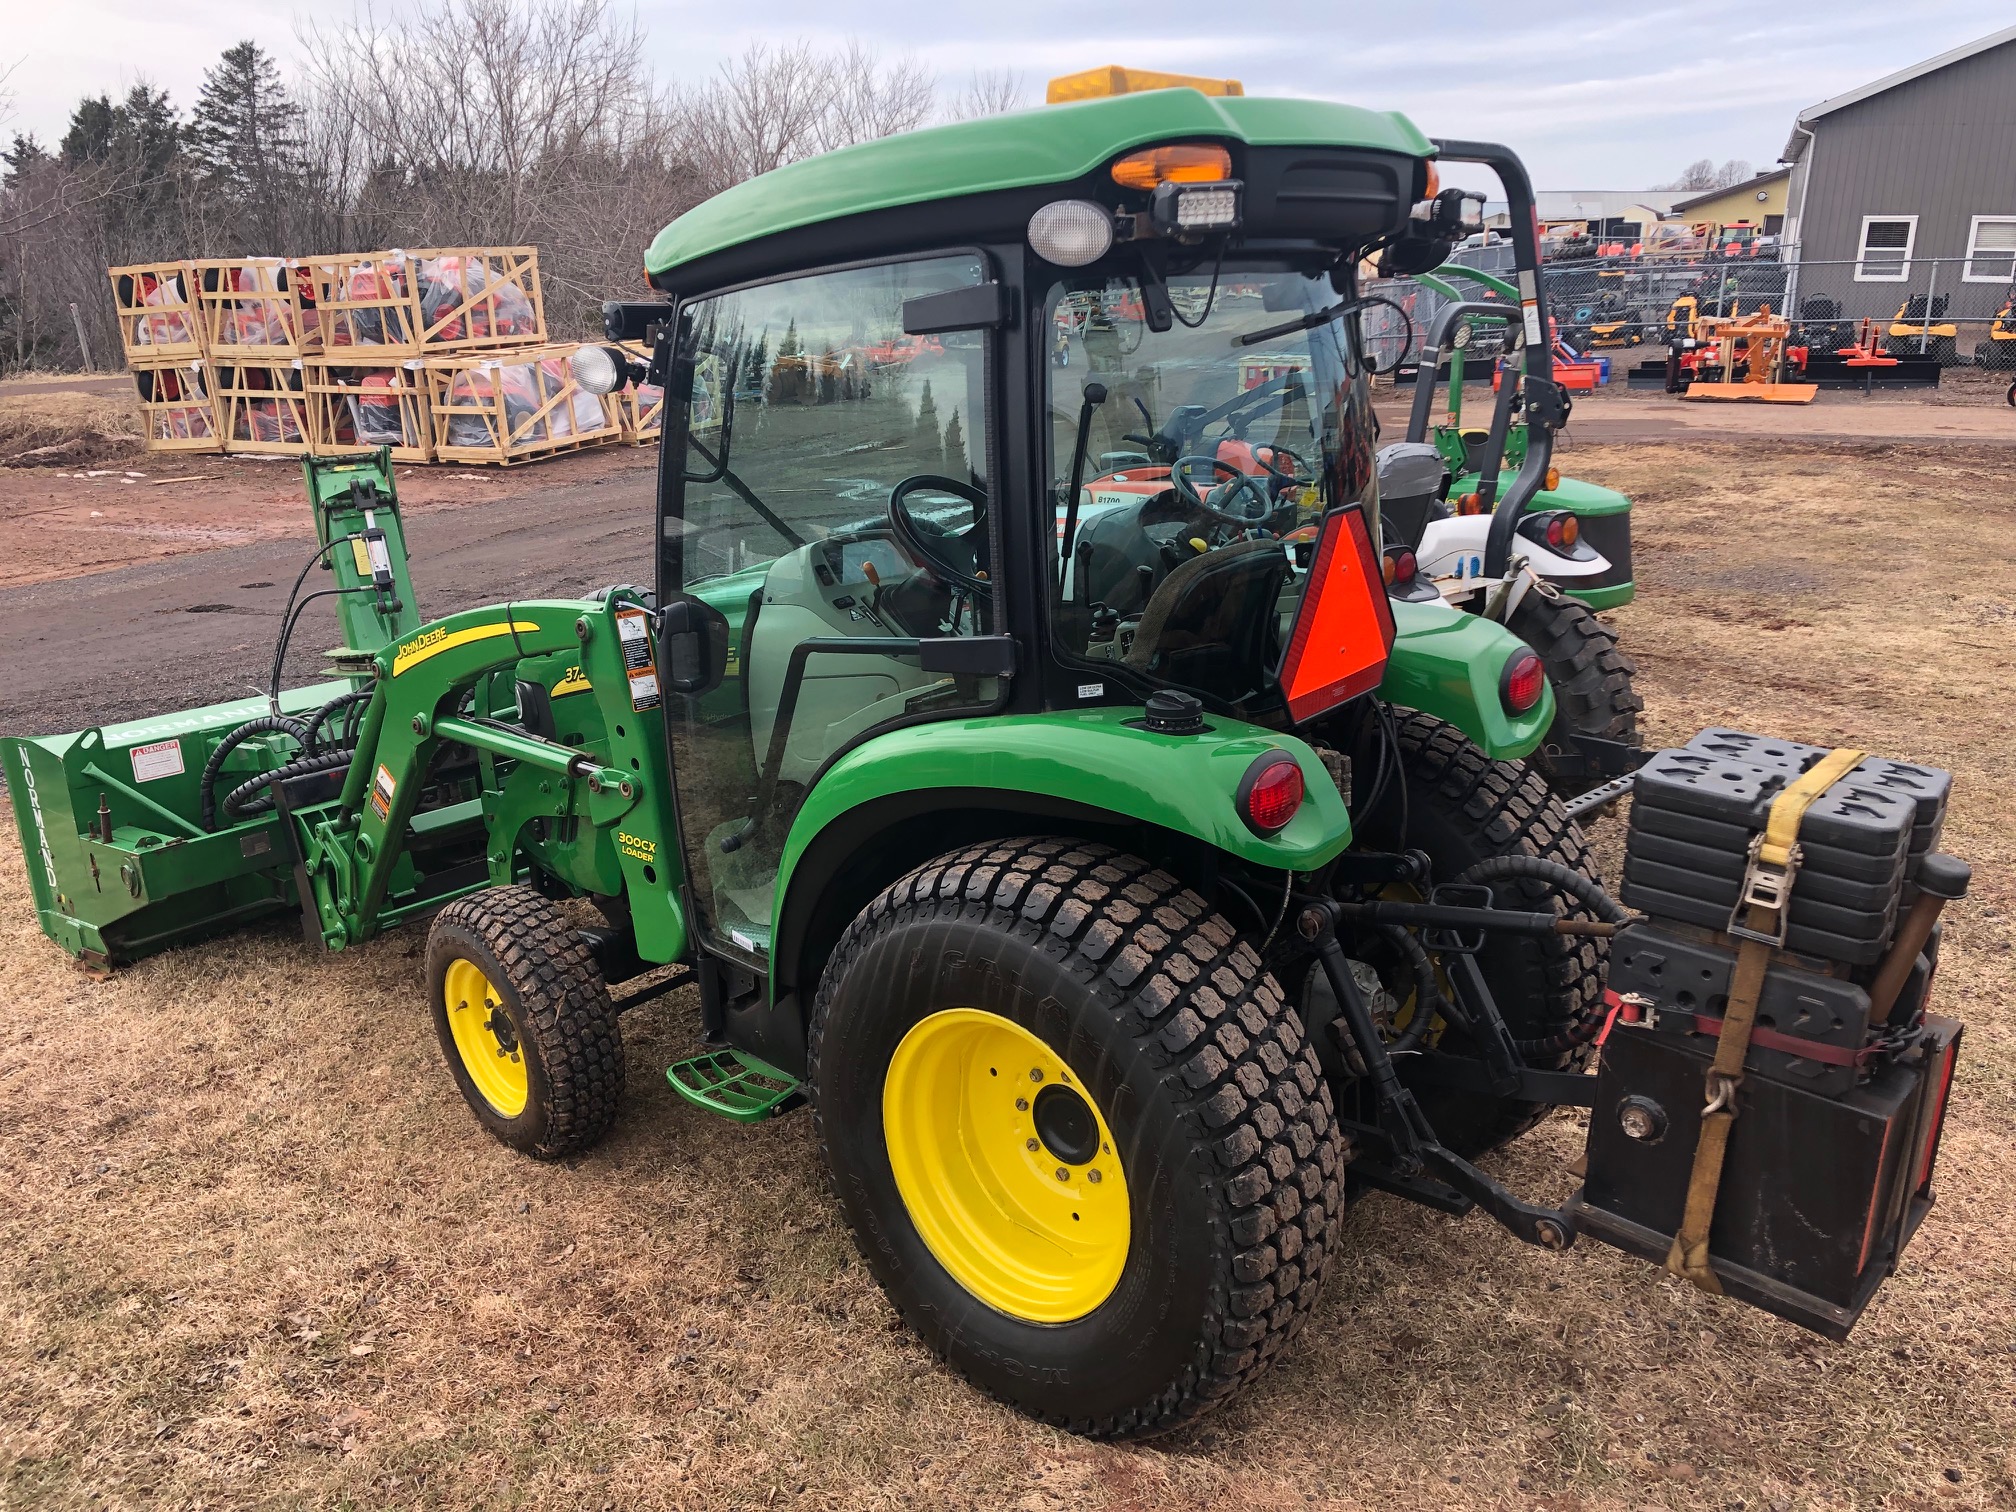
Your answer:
<point x="899" y="799"/>
<point x="1449" y="664"/>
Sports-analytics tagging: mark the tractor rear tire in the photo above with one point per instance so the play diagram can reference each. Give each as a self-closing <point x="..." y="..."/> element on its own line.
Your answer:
<point x="524" y="1019"/>
<point x="1592" y="681"/>
<point x="1063" y="969"/>
<point x="1462" y="808"/>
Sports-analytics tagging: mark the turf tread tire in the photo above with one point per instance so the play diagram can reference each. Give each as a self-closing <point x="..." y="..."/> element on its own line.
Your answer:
<point x="1227" y="1050"/>
<point x="1592" y="677"/>
<point x="1544" y="985"/>
<point x="560" y="1003"/>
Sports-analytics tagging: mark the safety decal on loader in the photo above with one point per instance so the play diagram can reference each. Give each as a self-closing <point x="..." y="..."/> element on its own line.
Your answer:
<point x="633" y="632"/>
<point x="383" y="786"/>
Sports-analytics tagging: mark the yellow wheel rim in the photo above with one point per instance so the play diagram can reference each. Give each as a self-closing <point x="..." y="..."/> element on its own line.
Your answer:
<point x="485" y="1037"/>
<point x="1006" y="1166"/>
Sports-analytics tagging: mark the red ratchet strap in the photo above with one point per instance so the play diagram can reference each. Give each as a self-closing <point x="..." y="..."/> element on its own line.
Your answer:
<point x="1813" y="1050"/>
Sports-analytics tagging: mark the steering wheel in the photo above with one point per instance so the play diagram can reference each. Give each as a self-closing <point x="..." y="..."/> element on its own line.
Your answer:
<point x="948" y="556"/>
<point x="1221" y="501"/>
<point x="1272" y="464"/>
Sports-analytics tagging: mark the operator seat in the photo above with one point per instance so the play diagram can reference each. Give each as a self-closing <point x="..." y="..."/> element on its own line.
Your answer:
<point x="1213" y="624"/>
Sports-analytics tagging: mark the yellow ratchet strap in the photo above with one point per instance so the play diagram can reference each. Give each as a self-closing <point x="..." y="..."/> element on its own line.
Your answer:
<point x="1765" y="903"/>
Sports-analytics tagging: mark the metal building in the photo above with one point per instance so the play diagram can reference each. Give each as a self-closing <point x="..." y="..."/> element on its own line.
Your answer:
<point x="1908" y="184"/>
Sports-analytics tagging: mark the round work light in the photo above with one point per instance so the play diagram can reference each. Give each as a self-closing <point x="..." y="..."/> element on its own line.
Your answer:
<point x="1071" y="233"/>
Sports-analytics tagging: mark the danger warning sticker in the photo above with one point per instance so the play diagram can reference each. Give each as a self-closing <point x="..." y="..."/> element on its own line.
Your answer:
<point x="383" y="786"/>
<point x="153" y="762"/>
<point x="633" y="634"/>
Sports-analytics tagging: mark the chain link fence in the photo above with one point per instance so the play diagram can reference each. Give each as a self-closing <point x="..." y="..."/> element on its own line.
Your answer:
<point x="1953" y="311"/>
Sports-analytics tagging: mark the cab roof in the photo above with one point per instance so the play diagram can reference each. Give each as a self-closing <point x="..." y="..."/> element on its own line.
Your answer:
<point x="1053" y="144"/>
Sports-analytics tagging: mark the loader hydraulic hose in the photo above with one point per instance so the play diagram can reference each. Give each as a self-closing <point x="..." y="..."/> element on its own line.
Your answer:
<point x="254" y="796"/>
<point x="265" y="724"/>
<point x="1428" y="999"/>
<point x="329" y="710"/>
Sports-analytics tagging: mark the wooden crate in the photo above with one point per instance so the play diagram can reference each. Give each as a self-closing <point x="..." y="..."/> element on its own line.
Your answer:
<point x="262" y="407"/>
<point x="641" y="407"/>
<point x="433" y="300"/>
<point x="351" y="406"/>
<point x="505" y="407"/>
<point x="158" y="317"/>
<point x="178" y="411"/>
<point x="255" y="309"/>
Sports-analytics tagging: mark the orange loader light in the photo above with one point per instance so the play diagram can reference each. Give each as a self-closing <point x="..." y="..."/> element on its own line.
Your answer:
<point x="1434" y="182"/>
<point x="1553" y="479"/>
<point x="1176" y="163"/>
<point x="1343" y="628"/>
<point x="1469" y="504"/>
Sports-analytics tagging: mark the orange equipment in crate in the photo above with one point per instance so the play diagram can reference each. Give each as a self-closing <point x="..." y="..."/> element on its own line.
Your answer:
<point x="1756" y="343"/>
<point x="505" y="407"/>
<point x="176" y="409"/>
<point x="255" y="309"/>
<point x="385" y="405"/>
<point x="423" y="302"/>
<point x="262" y="408"/>
<point x="158" y="319"/>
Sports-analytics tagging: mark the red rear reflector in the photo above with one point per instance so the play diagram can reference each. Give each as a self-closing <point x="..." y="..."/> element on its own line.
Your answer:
<point x="1524" y="678"/>
<point x="1270" y="793"/>
<point x="1344" y="625"/>
<point x="1937" y="1122"/>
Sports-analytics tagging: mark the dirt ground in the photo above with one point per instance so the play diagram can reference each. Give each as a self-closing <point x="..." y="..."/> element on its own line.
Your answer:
<point x="255" y="1252"/>
<point x="79" y="494"/>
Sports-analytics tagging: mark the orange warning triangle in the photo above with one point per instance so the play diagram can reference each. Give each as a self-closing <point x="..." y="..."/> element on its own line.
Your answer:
<point x="1344" y="626"/>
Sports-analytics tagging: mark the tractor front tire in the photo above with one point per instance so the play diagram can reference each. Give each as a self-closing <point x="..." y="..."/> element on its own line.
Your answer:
<point x="524" y="1019"/>
<point x="1592" y="681"/>
<point x="1076" y="1131"/>
<point x="1462" y="808"/>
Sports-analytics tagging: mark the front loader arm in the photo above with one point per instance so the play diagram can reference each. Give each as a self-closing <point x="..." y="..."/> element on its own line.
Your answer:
<point x="588" y="795"/>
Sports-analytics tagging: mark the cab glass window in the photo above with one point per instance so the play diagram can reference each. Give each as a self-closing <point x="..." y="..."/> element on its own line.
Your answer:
<point x="833" y="505"/>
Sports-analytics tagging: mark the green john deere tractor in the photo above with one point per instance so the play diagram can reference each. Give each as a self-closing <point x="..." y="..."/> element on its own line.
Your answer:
<point x="1017" y="747"/>
<point x="1570" y="555"/>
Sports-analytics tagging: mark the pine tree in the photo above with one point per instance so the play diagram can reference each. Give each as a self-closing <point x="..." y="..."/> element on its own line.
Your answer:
<point x="245" y="139"/>
<point x="956" y="465"/>
<point x="926" y="442"/>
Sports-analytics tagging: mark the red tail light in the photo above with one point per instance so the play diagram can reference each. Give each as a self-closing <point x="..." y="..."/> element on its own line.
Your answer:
<point x="1400" y="566"/>
<point x="1270" y="794"/>
<point x="1563" y="530"/>
<point x="1523" y="679"/>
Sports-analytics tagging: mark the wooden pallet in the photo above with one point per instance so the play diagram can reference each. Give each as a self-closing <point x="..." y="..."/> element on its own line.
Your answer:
<point x="178" y="412"/>
<point x="262" y="408"/>
<point x="506" y="407"/>
<point x="255" y="309"/>
<point x="159" y="320"/>
<point x="370" y="405"/>
<point x="641" y="408"/>
<point x="421" y="303"/>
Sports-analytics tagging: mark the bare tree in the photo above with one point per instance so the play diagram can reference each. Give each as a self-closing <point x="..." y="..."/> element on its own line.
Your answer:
<point x="774" y="105"/>
<point x="1701" y="175"/>
<point x="991" y="91"/>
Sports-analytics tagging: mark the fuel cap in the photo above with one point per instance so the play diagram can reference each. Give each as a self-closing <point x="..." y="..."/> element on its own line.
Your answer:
<point x="1170" y="712"/>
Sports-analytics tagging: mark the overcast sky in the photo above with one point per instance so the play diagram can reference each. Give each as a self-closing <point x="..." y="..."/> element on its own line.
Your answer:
<point x="1593" y="96"/>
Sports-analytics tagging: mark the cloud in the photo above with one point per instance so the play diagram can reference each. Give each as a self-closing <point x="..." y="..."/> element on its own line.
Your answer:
<point x="1592" y="95"/>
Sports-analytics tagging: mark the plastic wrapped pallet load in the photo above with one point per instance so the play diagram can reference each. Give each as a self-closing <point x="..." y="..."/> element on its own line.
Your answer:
<point x="508" y="407"/>
<point x="176" y="407"/>
<point x="158" y="318"/>
<point x="415" y="303"/>
<point x="256" y="309"/>
<point x="262" y="408"/>
<point x="381" y="405"/>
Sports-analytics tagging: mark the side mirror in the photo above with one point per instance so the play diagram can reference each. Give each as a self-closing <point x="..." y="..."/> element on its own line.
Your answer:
<point x="692" y="646"/>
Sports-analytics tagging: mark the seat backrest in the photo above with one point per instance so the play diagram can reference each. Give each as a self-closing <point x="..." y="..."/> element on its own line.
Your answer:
<point x="1213" y="624"/>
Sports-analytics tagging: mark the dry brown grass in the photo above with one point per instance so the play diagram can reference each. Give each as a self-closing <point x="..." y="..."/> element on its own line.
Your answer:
<point x="254" y="1252"/>
<point x="60" y="428"/>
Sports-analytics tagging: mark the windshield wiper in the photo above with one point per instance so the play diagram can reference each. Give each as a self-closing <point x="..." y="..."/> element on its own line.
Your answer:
<point x="1307" y="322"/>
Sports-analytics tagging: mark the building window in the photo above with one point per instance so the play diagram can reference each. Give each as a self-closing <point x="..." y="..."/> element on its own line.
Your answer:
<point x="1885" y="256"/>
<point x="1991" y="250"/>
